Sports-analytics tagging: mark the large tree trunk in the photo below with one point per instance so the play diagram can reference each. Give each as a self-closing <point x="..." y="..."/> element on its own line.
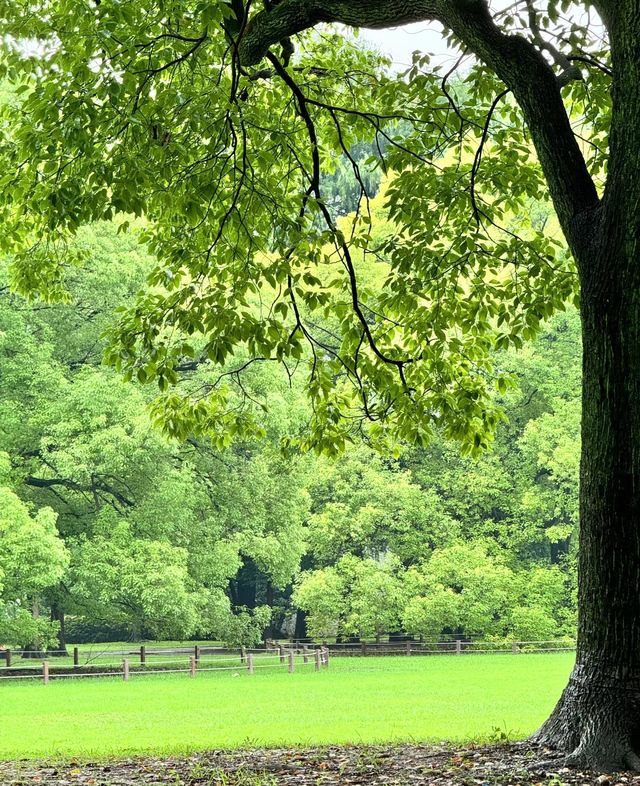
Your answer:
<point x="57" y="615"/>
<point x="597" y="720"/>
<point x="300" y="633"/>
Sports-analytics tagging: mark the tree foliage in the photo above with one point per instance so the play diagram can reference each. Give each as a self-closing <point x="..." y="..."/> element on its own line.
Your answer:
<point x="170" y="124"/>
<point x="33" y="558"/>
<point x="154" y="530"/>
<point x="347" y="532"/>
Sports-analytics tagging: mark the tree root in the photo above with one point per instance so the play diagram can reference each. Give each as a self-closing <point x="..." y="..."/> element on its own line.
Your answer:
<point x="633" y="761"/>
<point x="596" y="723"/>
<point x="579" y="760"/>
<point x="610" y="757"/>
<point x="596" y="740"/>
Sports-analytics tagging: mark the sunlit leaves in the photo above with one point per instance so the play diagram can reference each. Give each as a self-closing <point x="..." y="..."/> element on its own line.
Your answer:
<point x="145" y="112"/>
<point x="32" y="559"/>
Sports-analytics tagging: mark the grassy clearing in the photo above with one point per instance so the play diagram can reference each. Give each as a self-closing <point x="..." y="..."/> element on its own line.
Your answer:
<point x="358" y="700"/>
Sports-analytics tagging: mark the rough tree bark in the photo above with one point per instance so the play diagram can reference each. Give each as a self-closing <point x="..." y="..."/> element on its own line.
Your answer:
<point x="597" y="720"/>
<point x="598" y="716"/>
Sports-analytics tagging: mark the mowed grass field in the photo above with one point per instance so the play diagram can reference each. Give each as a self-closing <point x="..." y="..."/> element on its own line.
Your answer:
<point x="355" y="700"/>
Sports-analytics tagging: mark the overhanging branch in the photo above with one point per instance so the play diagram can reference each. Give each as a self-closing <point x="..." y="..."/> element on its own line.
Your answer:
<point x="516" y="61"/>
<point x="293" y="16"/>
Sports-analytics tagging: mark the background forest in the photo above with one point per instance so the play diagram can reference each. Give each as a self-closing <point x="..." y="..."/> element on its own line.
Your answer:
<point x="113" y="530"/>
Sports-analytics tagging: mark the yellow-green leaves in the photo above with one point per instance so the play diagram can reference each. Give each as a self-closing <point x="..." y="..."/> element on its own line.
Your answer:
<point x="391" y="313"/>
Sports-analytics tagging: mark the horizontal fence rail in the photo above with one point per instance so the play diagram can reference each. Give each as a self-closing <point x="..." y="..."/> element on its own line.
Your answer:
<point x="127" y="662"/>
<point x="452" y="647"/>
<point x="245" y="660"/>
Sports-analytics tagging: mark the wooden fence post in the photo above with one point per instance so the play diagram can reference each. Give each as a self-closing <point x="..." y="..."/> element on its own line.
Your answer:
<point x="363" y="648"/>
<point x="45" y="672"/>
<point x="291" y="662"/>
<point x="76" y="656"/>
<point x="281" y="652"/>
<point x="125" y="669"/>
<point x="305" y="653"/>
<point x="192" y="665"/>
<point x="326" y="657"/>
<point x="514" y="647"/>
<point x="249" y="663"/>
<point x="7" y="657"/>
<point x="317" y="657"/>
<point x="243" y="654"/>
<point x="408" y="648"/>
<point x="458" y="647"/>
<point x="143" y="655"/>
<point x="196" y="652"/>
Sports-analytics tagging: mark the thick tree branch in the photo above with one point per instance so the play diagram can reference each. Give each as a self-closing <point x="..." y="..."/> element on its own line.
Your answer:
<point x="516" y="61"/>
<point x="293" y="16"/>
<point x="569" y="72"/>
<point x="92" y="488"/>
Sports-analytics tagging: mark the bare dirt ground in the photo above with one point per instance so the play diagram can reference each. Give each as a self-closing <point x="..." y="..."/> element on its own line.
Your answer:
<point x="399" y="765"/>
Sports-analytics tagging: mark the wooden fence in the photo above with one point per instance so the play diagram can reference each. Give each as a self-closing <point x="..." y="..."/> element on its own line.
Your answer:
<point x="452" y="647"/>
<point x="170" y="662"/>
<point x="21" y="664"/>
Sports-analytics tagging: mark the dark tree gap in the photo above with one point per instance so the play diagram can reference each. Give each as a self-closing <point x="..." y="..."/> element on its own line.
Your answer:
<point x="58" y="615"/>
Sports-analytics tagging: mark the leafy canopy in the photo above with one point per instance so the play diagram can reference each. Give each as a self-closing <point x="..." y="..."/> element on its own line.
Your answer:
<point x="32" y="559"/>
<point x="143" y="109"/>
<point x="365" y="539"/>
<point x="153" y="530"/>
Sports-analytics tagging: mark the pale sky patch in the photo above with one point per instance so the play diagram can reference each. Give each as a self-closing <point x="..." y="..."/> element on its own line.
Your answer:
<point x="400" y="42"/>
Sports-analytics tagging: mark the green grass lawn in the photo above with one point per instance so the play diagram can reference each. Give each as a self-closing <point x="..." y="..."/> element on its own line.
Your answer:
<point x="356" y="700"/>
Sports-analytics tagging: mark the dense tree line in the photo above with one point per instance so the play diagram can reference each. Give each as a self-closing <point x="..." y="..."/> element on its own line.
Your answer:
<point x="143" y="534"/>
<point x="118" y="531"/>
